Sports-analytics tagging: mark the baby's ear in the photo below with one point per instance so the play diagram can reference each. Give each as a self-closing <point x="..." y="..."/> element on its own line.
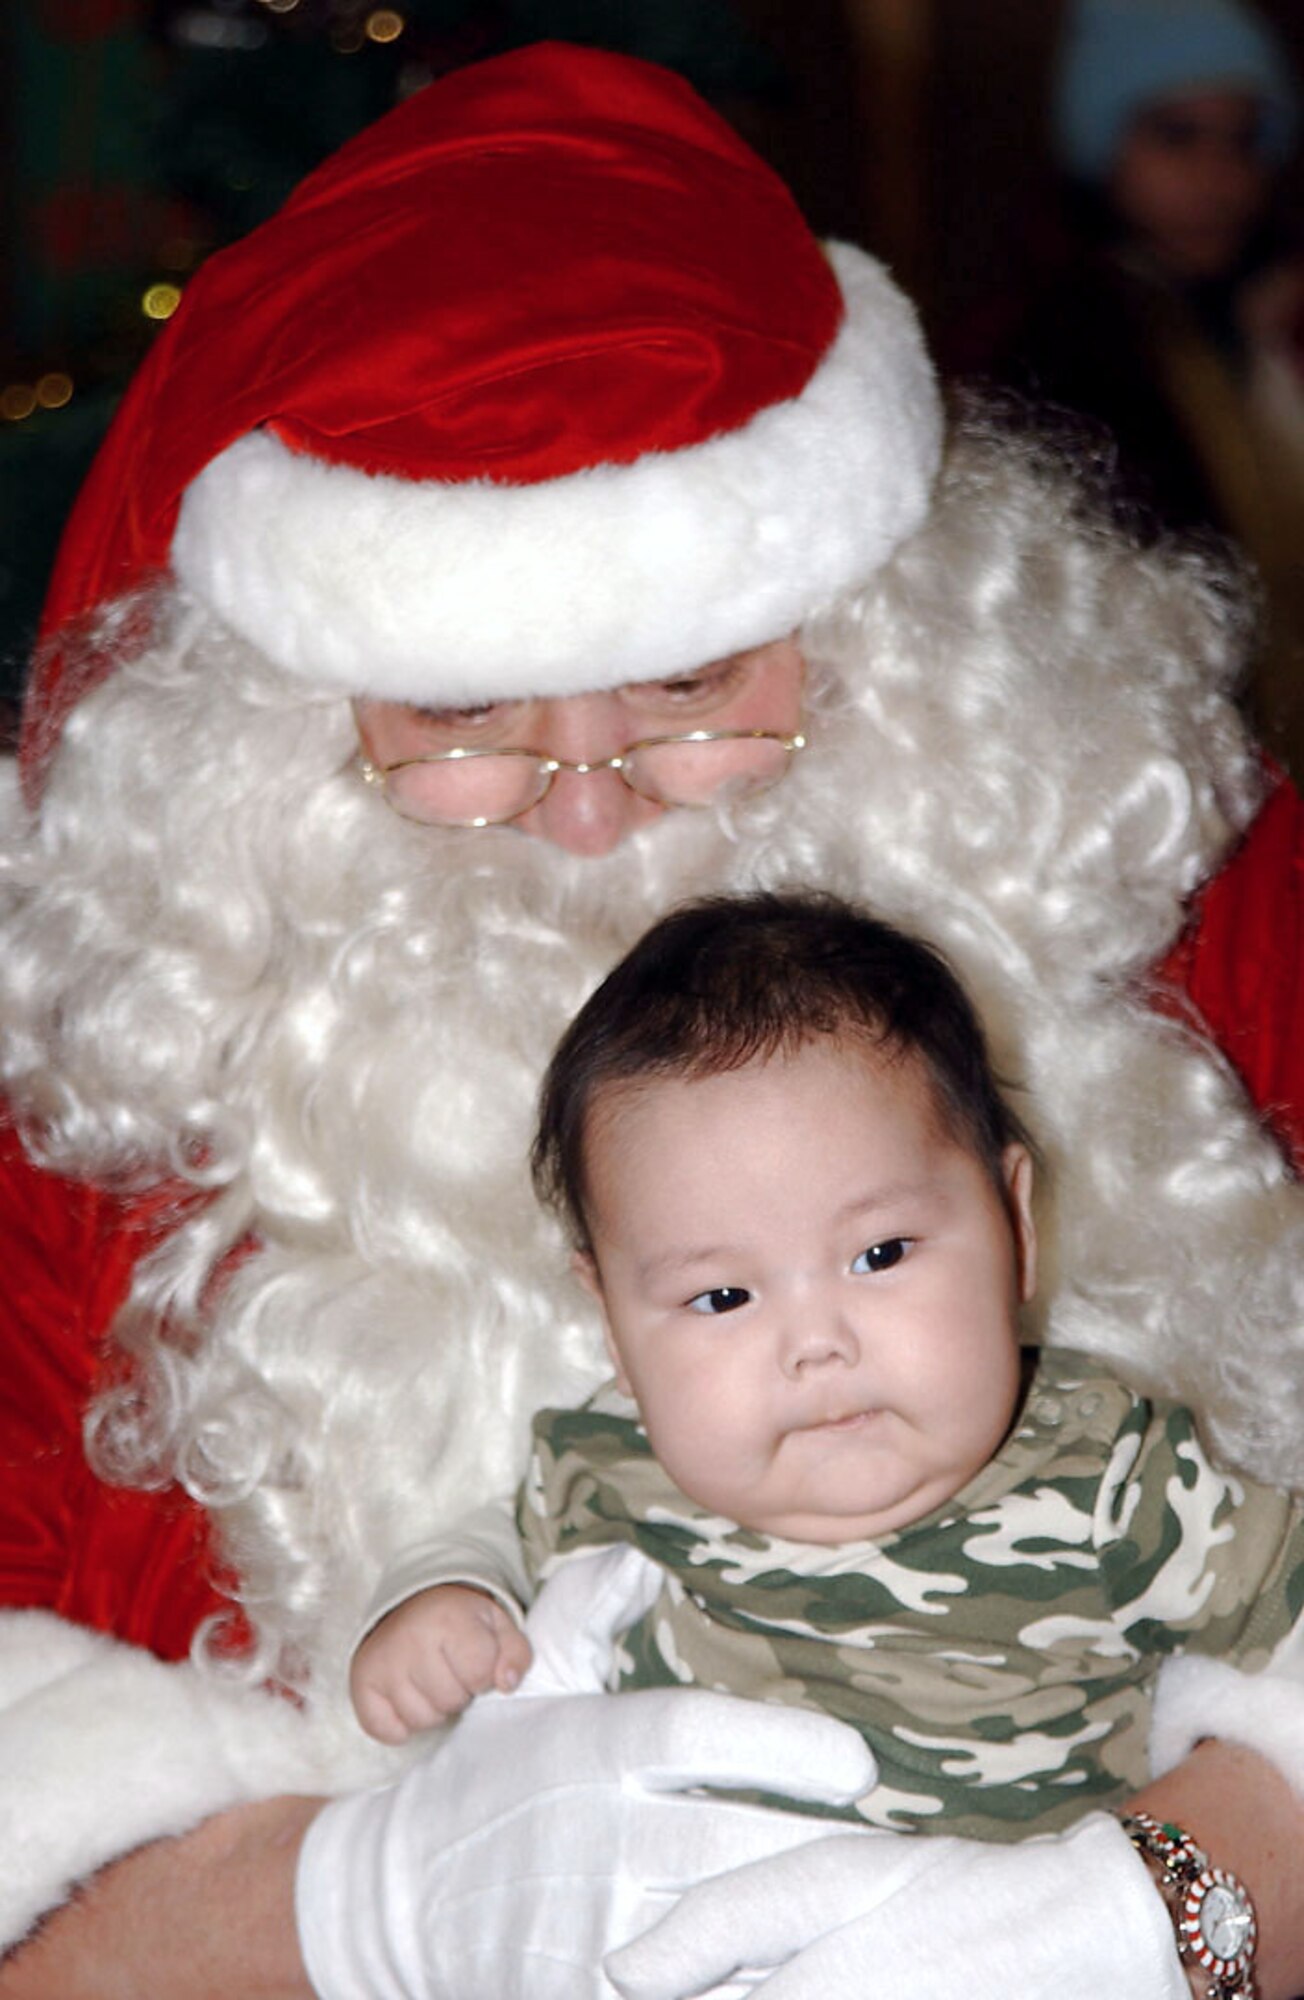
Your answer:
<point x="1018" y="1168"/>
<point x="585" y="1266"/>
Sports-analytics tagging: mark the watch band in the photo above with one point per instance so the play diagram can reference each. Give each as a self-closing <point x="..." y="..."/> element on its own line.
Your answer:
<point x="1213" y="1917"/>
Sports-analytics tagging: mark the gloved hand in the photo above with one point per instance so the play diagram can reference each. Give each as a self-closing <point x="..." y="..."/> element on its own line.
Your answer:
<point x="856" y="1916"/>
<point x="545" y="1832"/>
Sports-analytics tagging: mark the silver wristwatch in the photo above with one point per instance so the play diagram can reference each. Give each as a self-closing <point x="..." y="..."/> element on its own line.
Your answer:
<point x="1212" y="1914"/>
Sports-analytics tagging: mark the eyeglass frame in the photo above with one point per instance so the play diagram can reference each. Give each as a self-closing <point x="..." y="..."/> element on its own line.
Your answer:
<point x="549" y="767"/>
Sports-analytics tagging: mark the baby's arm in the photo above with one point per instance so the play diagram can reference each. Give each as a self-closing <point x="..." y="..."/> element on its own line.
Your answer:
<point x="425" y="1660"/>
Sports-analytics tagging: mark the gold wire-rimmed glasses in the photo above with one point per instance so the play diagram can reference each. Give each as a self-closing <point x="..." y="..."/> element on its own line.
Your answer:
<point x="476" y="788"/>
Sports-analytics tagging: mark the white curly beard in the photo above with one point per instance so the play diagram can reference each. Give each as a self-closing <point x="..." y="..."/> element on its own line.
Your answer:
<point x="224" y="958"/>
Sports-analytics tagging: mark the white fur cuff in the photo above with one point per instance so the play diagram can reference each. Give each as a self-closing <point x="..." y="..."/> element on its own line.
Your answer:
<point x="103" y="1747"/>
<point x="1197" y="1698"/>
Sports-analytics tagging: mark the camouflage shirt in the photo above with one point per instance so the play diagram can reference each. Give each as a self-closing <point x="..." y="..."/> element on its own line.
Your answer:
<point x="999" y="1655"/>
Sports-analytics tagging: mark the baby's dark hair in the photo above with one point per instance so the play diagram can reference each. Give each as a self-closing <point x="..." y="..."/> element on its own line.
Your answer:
<point x="724" y="981"/>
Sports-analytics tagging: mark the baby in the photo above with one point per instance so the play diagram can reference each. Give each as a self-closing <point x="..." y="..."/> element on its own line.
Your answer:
<point x="805" y="1212"/>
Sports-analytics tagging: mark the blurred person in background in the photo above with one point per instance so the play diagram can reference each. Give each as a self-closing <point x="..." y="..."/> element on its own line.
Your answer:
<point x="1177" y="317"/>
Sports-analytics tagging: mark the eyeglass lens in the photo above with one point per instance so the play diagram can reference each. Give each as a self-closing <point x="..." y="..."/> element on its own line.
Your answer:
<point x="475" y="791"/>
<point x="692" y="774"/>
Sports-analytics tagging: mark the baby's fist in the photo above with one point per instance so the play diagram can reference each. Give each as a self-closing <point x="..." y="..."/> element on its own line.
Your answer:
<point x="429" y="1656"/>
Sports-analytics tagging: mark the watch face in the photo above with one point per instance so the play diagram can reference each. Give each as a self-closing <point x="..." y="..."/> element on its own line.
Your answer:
<point x="1225" y="1922"/>
<point x="1217" y="1922"/>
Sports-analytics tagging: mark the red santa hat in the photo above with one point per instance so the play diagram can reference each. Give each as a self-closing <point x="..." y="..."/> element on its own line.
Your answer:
<point x="540" y="384"/>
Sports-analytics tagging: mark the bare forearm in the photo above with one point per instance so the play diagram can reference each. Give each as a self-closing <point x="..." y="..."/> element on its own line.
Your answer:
<point x="1248" y="1820"/>
<point x="202" y="1917"/>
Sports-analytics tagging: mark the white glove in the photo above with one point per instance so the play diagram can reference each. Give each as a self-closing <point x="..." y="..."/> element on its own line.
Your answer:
<point x="547" y="1831"/>
<point x="856" y="1916"/>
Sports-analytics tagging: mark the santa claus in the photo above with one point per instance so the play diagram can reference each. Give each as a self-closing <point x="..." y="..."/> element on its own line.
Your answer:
<point x="529" y="527"/>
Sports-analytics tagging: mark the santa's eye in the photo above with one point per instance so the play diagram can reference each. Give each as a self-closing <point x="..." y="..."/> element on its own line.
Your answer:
<point x="882" y="1256"/>
<point x="720" y="1299"/>
<point x="707" y="686"/>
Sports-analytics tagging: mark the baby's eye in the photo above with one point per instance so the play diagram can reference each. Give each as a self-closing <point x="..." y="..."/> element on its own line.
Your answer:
<point x="721" y="1299"/>
<point x="882" y="1256"/>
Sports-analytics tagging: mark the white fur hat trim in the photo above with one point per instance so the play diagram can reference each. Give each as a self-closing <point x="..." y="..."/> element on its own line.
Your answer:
<point x="455" y="594"/>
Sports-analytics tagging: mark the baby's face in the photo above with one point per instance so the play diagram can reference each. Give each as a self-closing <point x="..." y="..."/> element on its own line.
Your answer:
<point x="810" y="1286"/>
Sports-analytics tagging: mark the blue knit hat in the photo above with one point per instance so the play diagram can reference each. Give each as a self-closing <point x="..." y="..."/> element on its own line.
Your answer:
<point x="1120" y="54"/>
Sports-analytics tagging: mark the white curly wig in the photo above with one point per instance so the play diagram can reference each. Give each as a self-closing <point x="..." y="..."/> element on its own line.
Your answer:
<point x="224" y="961"/>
